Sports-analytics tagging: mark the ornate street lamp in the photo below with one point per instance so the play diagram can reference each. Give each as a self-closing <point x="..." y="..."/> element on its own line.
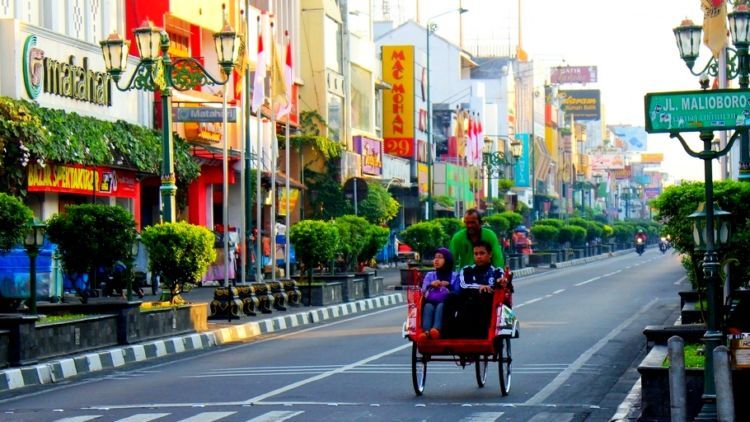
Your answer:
<point x="134" y="249"/>
<point x="722" y="228"/>
<point x="431" y="27"/>
<point x="688" y="37"/>
<point x="516" y="149"/>
<point x="156" y="71"/>
<point x="33" y="242"/>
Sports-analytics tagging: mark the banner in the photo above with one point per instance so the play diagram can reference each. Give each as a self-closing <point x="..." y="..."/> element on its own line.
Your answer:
<point x="573" y="75"/>
<point x="522" y="169"/>
<point x="293" y="198"/>
<point x="652" y="158"/>
<point x="398" y="102"/>
<point x="601" y="162"/>
<point x="78" y="179"/>
<point x="582" y="104"/>
<point x="632" y="138"/>
<point x="371" y="151"/>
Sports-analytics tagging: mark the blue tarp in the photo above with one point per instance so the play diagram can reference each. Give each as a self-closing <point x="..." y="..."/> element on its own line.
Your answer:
<point x="14" y="272"/>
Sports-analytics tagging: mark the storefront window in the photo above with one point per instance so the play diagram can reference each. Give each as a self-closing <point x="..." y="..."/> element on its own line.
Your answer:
<point x="333" y="48"/>
<point x="334" y="116"/>
<point x="361" y="99"/>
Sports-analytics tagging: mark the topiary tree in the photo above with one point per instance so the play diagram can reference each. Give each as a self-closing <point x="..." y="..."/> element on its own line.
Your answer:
<point x="554" y="222"/>
<point x="450" y="225"/>
<point x="623" y="232"/>
<point x="498" y="224"/>
<point x="376" y="237"/>
<point x="515" y="219"/>
<point x="180" y="253"/>
<point x="379" y="207"/>
<point x="571" y="234"/>
<point x="15" y="218"/>
<point x="544" y="234"/>
<point x="315" y="242"/>
<point x="352" y="237"/>
<point x="607" y="231"/>
<point x="92" y="237"/>
<point x="424" y="237"/>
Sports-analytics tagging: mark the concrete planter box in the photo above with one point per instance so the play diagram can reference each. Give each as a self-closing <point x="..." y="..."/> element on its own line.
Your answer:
<point x="523" y="259"/>
<point x="321" y="294"/>
<point x="374" y="287"/>
<point x="579" y="253"/>
<point x="655" y="387"/>
<point x="353" y="289"/>
<point x="605" y="249"/>
<point x="171" y="321"/>
<point x="408" y="276"/>
<point x="70" y="337"/>
<point x="542" y="259"/>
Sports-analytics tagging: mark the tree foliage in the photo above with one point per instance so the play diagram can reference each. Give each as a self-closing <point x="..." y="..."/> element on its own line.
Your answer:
<point x="15" y="218"/>
<point x="352" y="237"/>
<point x="515" y="219"/>
<point x="379" y="207"/>
<point x="545" y="235"/>
<point x="450" y="225"/>
<point x="573" y="234"/>
<point x="499" y="224"/>
<point x="424" y="237"/>
<point x="375" y="238"/>
<point x="315" y="242"/>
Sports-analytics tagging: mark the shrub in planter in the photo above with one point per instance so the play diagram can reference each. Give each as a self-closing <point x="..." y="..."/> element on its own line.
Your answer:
<point x="180" y="253"/>
<point x="575" y="235"/>
<point x="15" y="217"/>
<point x="375" y="238"/>
<point x="554" y="222"/>
<point x="92" y="236"/>
<point x="315" y="242"/>
<point x="450" y="225"/>
<point x="498" y="224"/>
<point x="424" y="237"/>
<point x="545" y="235"/>
<point x="515" y="219"/>
<point x="607" y="231"/>
<point x="352" y="237"/>
<point x="624" y="232"/>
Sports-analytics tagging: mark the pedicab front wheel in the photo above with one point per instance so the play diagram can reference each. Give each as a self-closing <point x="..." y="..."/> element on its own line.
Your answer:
<point x="504" y="362"/>
<point x="480" y="365"/>
<point x="418" y="370"/>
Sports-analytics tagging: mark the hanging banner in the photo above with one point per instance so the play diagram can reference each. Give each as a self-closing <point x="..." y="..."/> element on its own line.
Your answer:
<point x="398" y="102"/>
<point x="522" y="169"/>
<point x="293" y="198"/>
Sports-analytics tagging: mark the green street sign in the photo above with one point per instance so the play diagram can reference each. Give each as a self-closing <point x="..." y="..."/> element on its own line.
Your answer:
<point x="695" y="111"/>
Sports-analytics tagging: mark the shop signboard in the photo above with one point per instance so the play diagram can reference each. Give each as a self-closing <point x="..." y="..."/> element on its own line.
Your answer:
<point x="623" y="173"/>
<point x="582" y="104"/>
<point x="203" y="114"/>
<point x="632" y="138"/>
<point x="652" y="158"/>
<point x="651" y="193"/>
<point x="78" y="179"/>
<point x="601" y="162"/>
<point x="522" y="169"/>
<point x="293" y="198"/>
<point x="398" y="102"/>
<point x="573" y="75"/>
<point x="422" y="174"/>
<point x="695" y="111"/>
<point x="371" y="151"/>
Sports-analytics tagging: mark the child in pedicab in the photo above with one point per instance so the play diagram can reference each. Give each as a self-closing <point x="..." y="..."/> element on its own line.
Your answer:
<point x="473" y="305"/>
<point x="437" y="286"/>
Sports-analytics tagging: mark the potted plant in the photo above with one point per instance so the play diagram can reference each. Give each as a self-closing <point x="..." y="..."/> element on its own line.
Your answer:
<point x="315" y="243"/>
<point x="180" y="253"/>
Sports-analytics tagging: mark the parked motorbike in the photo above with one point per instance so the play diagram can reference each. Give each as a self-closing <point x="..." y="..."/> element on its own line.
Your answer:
<point x="640" y="246"/>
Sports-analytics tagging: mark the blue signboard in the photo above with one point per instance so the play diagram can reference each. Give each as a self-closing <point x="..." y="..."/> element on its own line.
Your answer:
<point x="203" y="114"/>
<point x="522" y="169"/>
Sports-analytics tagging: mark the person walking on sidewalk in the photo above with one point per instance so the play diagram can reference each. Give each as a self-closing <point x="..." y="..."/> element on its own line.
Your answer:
<point x="436" y="287"/>
<point x="463" y="242"/>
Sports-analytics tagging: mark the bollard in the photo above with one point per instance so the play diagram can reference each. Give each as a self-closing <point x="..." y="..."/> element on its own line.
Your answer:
<point x="723" y="380"/>
<point x="677" y="384"/>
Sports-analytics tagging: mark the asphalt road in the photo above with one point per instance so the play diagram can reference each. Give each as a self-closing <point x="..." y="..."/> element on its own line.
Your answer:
<point x="581" y="335"/>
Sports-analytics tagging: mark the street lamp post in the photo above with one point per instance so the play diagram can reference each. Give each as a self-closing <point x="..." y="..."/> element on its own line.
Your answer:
<point x="33" y="242"/>
<point x="688" y="37"/>
<point x="158" y="72"/>
<point x="134" y="249"/>
<point x="429" y="29"/>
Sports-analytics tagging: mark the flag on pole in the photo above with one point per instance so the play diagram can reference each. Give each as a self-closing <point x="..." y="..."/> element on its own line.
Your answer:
<point x="714" y="25"/>
<point x="278" y="85"/>
<point x="288" y="78"/>
<point x="470" y="141"/>
<point x="260" y="74"/>
<point x="242" y="58"/>
<point x="480" y="142"/>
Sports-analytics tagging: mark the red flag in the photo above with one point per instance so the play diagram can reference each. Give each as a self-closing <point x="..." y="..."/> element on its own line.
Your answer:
<point x="288" y="78"/>
<point x="259" y="83"/>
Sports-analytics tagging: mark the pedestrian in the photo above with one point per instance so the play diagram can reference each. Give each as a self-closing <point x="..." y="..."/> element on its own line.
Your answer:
<point x="463" y="242"/>
<point x="436" y="287"/>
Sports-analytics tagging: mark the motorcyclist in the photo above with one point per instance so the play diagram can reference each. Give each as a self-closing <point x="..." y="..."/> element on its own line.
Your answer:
<point x="641" y="237"/>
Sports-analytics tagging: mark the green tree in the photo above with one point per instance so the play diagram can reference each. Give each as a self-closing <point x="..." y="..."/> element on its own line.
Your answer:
<point x="180" y="253"/>
<point x="15" y="218"/>
<point x="499" y="224"/>
<point x="352" y="237"/>
<point x="572" y="234"/>
<point x="315" y="242"/>
<point x="515" y="219"/>
<point x="424" y="237"/>
<point x="378" y="207"/>
<point x="554" y="222"/>
<point x="91" y="236"/>
<point x="326" y="197"/>
<point x="376" y="237"/>
<point x="450" y="225"/>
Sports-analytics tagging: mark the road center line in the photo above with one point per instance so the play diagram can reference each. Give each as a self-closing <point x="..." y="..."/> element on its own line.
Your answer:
<point x="559" y="380"/>
<point x="680" y="280"/>
<point x="589" y="280"/>
<point x="318" y="377"/>
<point x="557" y="292"/>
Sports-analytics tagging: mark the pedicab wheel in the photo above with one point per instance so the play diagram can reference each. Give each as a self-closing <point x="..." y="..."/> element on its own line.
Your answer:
<point x="418" y="370"/>
<point x="480" y="365"/>
<point x="504" y="361"/>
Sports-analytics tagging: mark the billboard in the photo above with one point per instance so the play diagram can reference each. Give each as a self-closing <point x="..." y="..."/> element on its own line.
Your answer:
<point x="398" y="102"/>
<point x="583" y="104"/>
<point x="371" y="151"/>
<point x="600" y="162"/>
<point x="652" y="158"/>
<point x="522" y="169"/>
<point x="573" y="74"/>
<point x="632" y="138"/>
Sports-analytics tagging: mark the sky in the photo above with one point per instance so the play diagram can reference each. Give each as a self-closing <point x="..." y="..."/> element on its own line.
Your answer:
<point x="630" y="41"/>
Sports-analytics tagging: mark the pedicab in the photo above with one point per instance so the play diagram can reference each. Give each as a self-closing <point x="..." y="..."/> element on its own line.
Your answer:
<point x="480" y="352"/>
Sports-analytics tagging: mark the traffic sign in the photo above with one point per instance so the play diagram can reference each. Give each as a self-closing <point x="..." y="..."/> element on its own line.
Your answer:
<point x="695" y="111"/>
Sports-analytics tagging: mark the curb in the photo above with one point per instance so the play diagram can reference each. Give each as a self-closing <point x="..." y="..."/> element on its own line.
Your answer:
<point x="57" y="370"/>
<point x="523" y="272"/>
<point x="589" y="259"/>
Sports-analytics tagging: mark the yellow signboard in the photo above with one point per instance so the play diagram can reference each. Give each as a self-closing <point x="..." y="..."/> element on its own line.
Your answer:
<point x="652" y="157"/>
<point x="293" y="198"/>
<point x="398" y="102"/>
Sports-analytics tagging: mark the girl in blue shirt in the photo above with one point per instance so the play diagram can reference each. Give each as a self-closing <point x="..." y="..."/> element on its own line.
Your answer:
<point x="436" y="287"/>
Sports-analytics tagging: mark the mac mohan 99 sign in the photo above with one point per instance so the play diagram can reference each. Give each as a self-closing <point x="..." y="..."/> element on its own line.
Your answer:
<point x="695" y="111"/>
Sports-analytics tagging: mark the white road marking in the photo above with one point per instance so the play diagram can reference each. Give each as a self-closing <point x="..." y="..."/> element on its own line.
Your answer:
<point x="79" y="418"/>
<point x="529" y="302"/>
<point x="143" y="417"/>
<point x="589" y="280"/>
<point x="557" y="292"/>
<point x="208" y="416"/>
<point x="327" y="374"/>
<point x="483" y="417"/>
<point x="559" y="380"/>
<point x="680" y="280"/>
<point x="276" y="416"/>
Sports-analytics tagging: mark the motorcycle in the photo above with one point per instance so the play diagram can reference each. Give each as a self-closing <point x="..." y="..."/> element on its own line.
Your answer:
<point x="640" y="246"/>
<point x="663" y="245"/>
